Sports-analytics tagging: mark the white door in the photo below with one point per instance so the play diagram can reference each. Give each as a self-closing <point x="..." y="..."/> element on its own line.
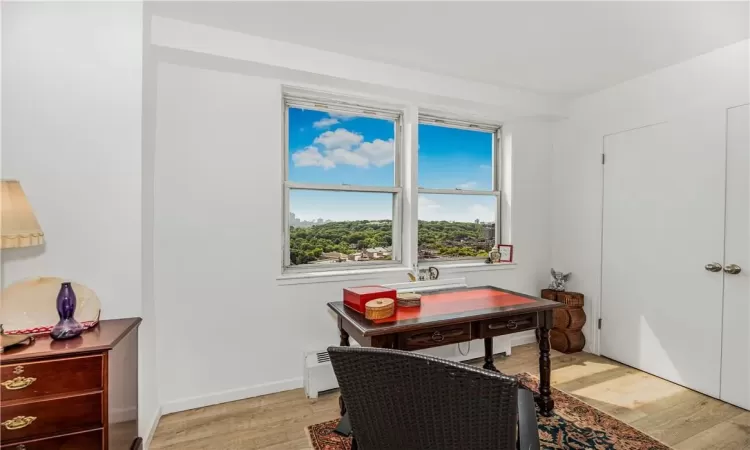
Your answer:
<point x="663" y="221"/>
<point x="735" y="367"/>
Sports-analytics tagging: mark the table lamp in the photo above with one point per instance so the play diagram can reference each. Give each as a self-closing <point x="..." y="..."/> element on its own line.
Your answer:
<point x="18" y="228"/>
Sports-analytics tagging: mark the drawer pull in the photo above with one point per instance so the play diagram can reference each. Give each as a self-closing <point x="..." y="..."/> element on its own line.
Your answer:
<point x="510" y="325"/>
<point x="18" y="383"/>
<point x="438" y="336"/>
<point x="18" y="422"/>
<point x="21" y="447"/>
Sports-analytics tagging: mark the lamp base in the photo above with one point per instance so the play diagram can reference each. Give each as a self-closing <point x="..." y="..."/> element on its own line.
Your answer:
<point x="66" y="329"/>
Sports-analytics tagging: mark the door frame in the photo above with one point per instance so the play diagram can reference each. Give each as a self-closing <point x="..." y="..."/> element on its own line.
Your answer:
<point x="596" y="307"/>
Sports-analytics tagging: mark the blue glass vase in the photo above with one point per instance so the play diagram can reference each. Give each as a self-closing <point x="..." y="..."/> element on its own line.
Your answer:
<point x="68" y="327"/>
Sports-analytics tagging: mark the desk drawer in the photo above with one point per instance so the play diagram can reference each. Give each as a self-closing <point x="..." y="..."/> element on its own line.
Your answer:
<point x="433" y="337"/>
<point x="89" y="440"/>
<point x="507" y="325"/>
<point x="57" y="376"/>
<point x="45" y="418"/>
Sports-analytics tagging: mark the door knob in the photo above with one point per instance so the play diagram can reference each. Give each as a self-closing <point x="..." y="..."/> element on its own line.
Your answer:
<point x="733" y="269"/>
<point x="713" y="267"/>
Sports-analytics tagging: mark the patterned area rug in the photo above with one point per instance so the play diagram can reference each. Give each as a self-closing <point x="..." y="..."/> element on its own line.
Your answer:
<point x="575" y="425"/>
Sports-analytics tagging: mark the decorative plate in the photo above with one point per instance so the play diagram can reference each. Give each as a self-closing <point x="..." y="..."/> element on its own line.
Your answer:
<point x="12" y="341"/>
<point x="30" y="306"/>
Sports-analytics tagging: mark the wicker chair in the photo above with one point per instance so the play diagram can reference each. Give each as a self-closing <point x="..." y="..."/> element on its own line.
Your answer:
<point x="398" y="400"/>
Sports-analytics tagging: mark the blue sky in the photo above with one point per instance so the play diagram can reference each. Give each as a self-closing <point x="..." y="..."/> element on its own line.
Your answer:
<point x="335" y="149"/>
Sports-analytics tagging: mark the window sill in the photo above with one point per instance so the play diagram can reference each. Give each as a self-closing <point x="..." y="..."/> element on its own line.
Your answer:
<point x="332" y="276"/>
<point x="473" y="266"/>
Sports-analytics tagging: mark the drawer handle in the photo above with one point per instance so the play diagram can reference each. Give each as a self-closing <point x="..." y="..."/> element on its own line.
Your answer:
<point x="18" y="383"/>
<point x="21" y="447"/>
<point x="18" y="422"/>
<point x="511" y="325"/>
<point x="438" y="336"/>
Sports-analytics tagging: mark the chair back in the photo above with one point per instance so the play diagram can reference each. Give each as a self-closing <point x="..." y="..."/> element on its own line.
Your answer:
<point x="399" y="400"/>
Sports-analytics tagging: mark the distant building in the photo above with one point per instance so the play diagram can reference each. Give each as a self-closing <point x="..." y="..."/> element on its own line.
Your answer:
<point x="489" y="231"/>
<point x="360" y="256"/>
<point x="334" y="256"/>
<point x="297" y="223"/>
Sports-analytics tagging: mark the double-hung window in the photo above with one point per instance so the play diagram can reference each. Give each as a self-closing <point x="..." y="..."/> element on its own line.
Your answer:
<point x="342" y="185"/>
<point x="459" y="189"/>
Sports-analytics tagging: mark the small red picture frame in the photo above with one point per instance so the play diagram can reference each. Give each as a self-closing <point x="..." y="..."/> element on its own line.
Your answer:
<point x="505" y="252"/>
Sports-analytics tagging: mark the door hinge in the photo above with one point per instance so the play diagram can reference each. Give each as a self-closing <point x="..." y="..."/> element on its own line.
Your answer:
<point x="603" y="158"/>
<point x="599" y="323"/>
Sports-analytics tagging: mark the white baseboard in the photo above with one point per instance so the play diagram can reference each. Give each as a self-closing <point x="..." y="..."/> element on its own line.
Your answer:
<point x="527" y="337"/>
<point x="296" y="383"/>
<point x="230" y="395"/>
<point x="153" y="424"/>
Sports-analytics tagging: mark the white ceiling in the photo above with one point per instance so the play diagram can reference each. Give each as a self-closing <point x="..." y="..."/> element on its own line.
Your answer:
<point x="568" y="48"/>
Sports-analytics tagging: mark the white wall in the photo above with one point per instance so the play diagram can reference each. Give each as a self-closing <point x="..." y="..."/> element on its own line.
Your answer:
<point x="233" y="329"/>
<point x="717" y="79"/>
<point x="71" y="133"/>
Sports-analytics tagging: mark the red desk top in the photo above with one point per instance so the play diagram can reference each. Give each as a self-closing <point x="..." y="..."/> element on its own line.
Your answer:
<point x="457" y="301"/>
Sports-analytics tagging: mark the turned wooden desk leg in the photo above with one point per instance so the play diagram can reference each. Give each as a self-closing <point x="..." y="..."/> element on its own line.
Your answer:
<point x="546" y="404"/>
<point x="489" y="362"/>
<point x="344" y="342"/>
<point x="344" y="338"/>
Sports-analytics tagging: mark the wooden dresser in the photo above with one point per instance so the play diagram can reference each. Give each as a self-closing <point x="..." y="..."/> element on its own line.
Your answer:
<point x="77" y="394"/>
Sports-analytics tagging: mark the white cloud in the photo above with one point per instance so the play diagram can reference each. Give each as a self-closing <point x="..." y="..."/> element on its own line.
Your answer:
<point x="427" y="203"/>
<point x="325" y="123"/>
<point x="429" y="209"/>
<point x="468" y="185"/>
<point x="485" y="166"/>
<point x="311" y="156"/>
<point x="346" y="148"/>
<point x="341" y="138"/>
<point x="346" y="157"/>
<point x="378" y="152"/>
<point x="482" y="212"/>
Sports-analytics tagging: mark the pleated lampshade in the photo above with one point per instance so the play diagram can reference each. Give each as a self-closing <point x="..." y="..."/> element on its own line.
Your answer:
<point x="18" y="225"/>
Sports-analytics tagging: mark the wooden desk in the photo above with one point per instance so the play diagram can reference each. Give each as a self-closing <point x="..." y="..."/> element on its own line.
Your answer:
<point x="458" y="315"/>
<point x="80" y="393"/>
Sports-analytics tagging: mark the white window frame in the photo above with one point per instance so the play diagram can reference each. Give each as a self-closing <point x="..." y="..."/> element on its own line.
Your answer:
<point x="360" y="109"/>
<point x="496" y="191"/>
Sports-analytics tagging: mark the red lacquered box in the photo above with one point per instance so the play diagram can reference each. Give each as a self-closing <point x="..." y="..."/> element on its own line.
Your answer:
<point x="357" y="297"/>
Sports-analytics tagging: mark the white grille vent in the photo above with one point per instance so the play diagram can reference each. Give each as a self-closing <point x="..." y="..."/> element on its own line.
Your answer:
<point x="319" y="376"/>
<point x="323" y="357"/>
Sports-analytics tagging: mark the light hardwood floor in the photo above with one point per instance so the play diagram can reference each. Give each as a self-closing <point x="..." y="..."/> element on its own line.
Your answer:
<point x="681" y="418"/>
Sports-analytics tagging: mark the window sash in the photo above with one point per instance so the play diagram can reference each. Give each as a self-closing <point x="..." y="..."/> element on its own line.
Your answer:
<point x="430" y="119"/>
<point x="496" y="191"/>
<point x="354" y="108"/>
<point x="341" y="106"/>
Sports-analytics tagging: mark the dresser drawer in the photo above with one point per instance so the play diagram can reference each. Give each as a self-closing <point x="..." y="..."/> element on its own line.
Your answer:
<point x="45" y="418"/>
<point x="57" y="376"/>
<point x="433" y="337"/>
<point x="507" y="325"/>
<point x="89" y="440"/>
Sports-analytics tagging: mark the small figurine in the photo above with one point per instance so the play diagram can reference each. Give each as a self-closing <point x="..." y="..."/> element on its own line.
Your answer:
<point x="558" y="280"/>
